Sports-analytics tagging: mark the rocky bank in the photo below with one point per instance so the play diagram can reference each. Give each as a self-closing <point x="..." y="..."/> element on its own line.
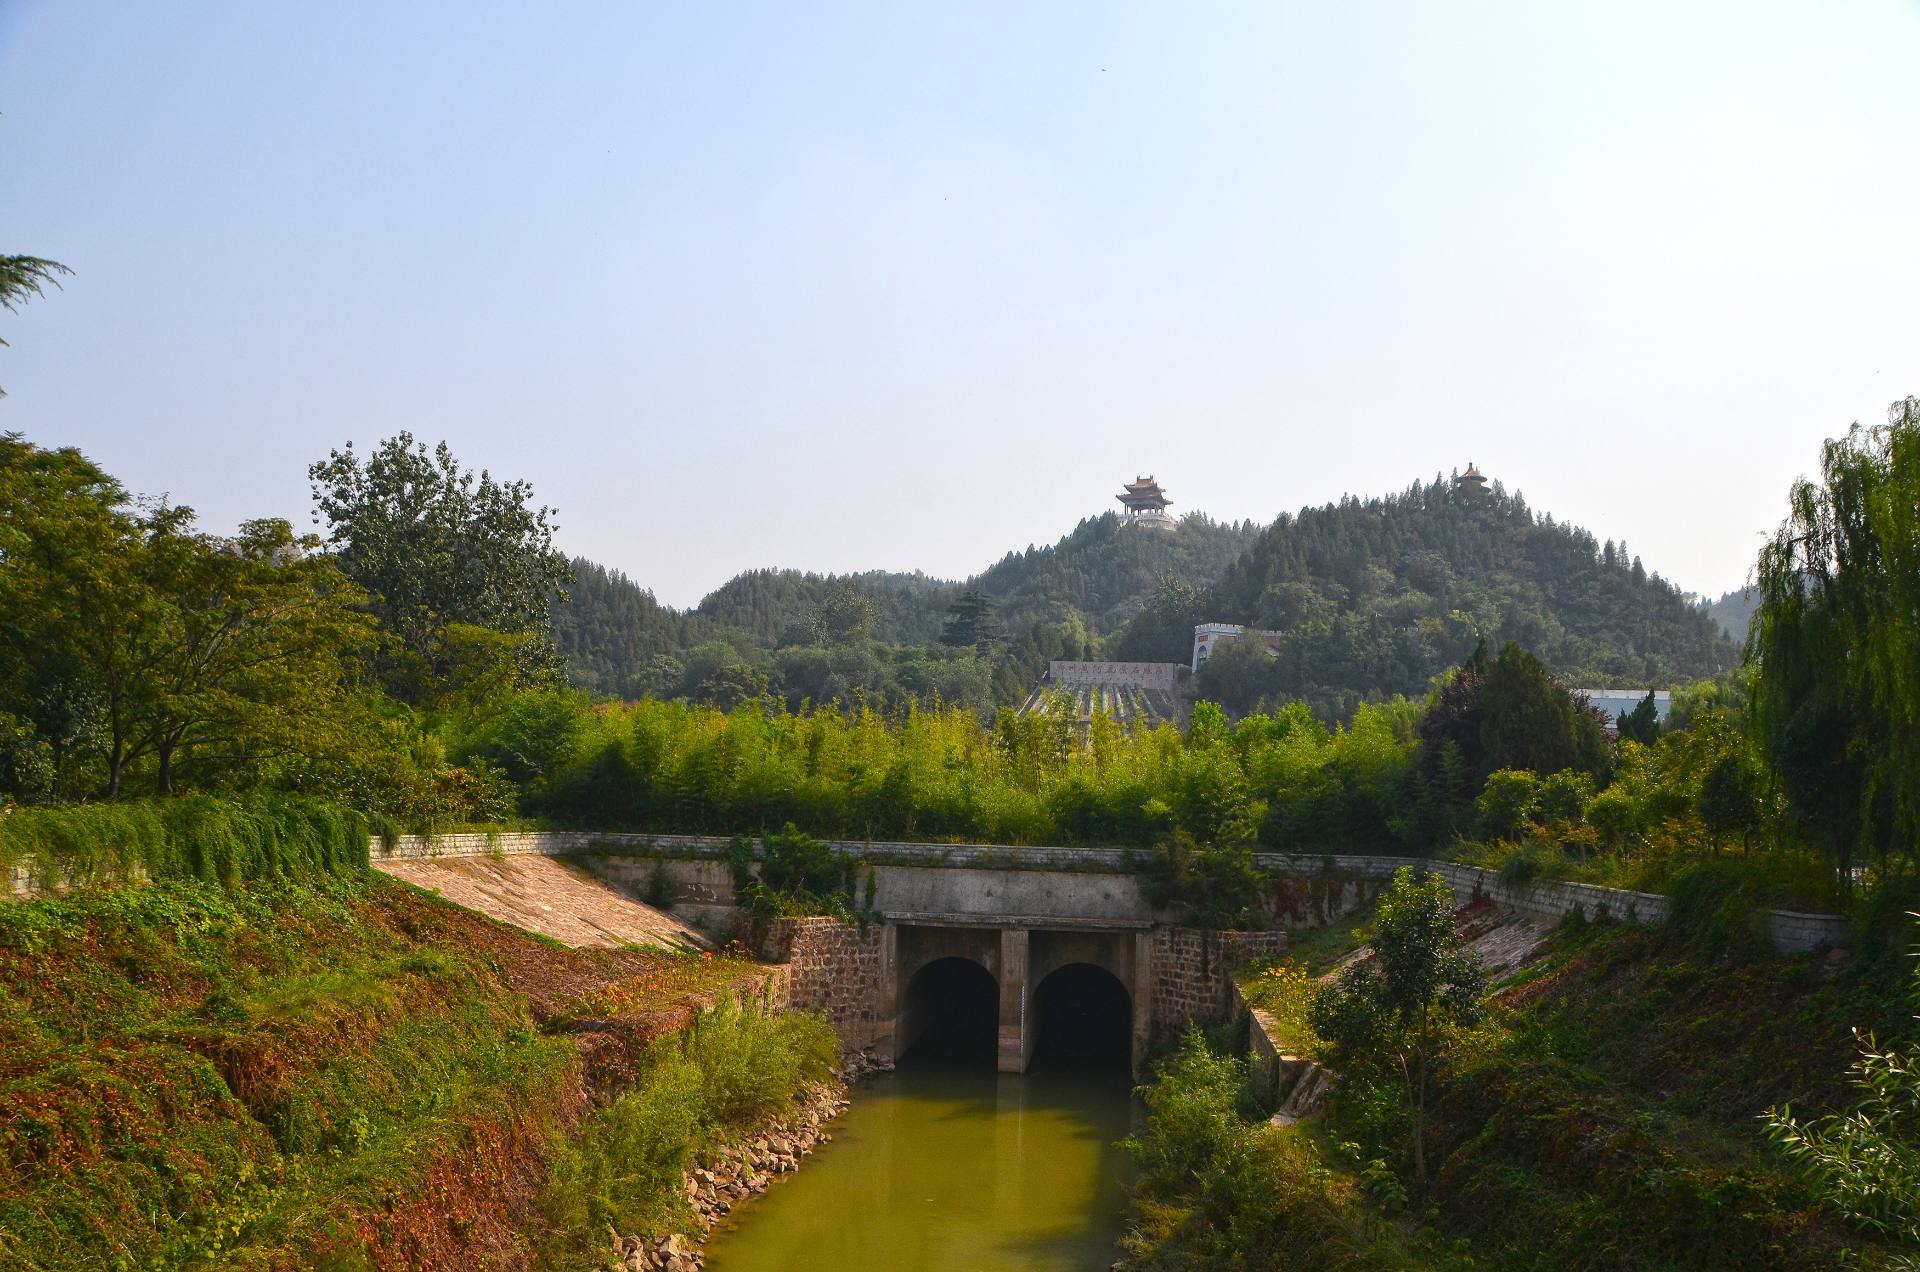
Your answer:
<point x="737" y="1172"/>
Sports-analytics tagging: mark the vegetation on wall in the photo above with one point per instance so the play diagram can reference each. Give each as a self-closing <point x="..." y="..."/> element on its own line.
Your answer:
<point x="795" y="876"/>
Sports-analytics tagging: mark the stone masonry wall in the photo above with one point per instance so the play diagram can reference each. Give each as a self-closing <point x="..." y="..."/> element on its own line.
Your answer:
<point x="1193" y="971"/>
<point x="834" y="968"/>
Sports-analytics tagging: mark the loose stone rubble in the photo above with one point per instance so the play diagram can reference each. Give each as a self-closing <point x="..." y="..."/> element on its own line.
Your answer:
<point x="733" y="1174"/>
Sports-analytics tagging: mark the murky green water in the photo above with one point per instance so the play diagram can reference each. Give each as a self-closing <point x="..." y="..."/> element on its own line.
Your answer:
<point x="938" y="1168"/>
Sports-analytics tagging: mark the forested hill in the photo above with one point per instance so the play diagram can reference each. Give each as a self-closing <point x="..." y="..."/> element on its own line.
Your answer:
<point x="1734" y="612"/>
<point x="612" y="627"/>
<point x="1093" y="580"/>
<point x="1376" y="596"/>
<point x="776" y="606"/>
<point x="1106" y="571"/>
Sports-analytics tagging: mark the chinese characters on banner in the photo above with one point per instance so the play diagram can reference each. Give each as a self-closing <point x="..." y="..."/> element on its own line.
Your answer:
<point x="1137" y="675"/>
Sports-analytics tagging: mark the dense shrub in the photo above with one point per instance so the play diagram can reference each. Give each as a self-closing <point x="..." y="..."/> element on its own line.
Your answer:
<point x="197" y="837"/>
<point x="798" y="875"/>
<point x="939" y="775"/>
<point x="1218" y="1190"/>
<point x="1205" y="885"/>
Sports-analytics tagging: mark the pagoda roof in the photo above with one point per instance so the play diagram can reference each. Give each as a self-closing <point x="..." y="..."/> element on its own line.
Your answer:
<point x="1472" y="474"/>
<point x="1144" y="484"/>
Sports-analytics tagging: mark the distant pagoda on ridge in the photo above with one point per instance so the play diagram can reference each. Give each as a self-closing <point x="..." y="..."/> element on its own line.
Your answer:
<point x="1146" y="504"/>
<point x="1470" y="483"/>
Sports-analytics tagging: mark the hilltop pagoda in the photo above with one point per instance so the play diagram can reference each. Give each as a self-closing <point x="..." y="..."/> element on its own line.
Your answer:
<point x="1146" y="504"/>
<point x="1470" y="483"/>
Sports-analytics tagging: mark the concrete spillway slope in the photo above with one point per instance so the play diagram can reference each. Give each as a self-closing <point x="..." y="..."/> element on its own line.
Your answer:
<point x="546" y="896"/>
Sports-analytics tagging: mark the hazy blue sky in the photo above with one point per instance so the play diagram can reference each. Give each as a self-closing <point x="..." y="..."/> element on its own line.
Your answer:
<point x="901" y="286"/>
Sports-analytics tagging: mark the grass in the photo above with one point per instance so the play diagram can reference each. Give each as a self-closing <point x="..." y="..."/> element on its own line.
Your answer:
<point x="1604" y="1115"/>
<point x="224" y="841"/>
<point x="1285" y="989"/>
<point x="699" y="1089"/>
<point x="338" y="1072"/>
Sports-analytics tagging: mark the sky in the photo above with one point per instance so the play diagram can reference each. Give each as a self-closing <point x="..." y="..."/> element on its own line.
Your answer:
<point x="909" y="286"/>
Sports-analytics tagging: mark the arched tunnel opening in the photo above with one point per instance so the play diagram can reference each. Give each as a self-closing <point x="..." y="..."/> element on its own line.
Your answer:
<point x="1083" y="1018"/>
<point x="950" y="1015"/>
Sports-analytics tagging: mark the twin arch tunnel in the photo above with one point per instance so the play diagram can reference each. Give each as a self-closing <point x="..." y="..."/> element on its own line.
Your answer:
<point x="1014" y="998"/>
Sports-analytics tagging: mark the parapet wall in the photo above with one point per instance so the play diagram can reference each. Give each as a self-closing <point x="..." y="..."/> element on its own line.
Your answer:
<point x="1315" y="889"/>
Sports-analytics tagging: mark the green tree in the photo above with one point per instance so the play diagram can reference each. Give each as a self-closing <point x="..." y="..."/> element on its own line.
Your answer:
<point x="1506" y="801"/>
<point x="1729" y="800"/>
<point x="1238" y="675"/>
<point x="435" y="546"/>
<point x="1642" y="724"/>
<point x="26" y="763"/>
<point x="529" y="735"/>
<point x="733" y="685"/>
<point x="1564" y="797"/>
<point x="134" y="636"/>
<point x="846" y="614"/>
<point x="1835" y="705"/>
<point x="64" y="528"/>
<point x="24" y="277"/>
<point x="1528" y="720"/>
<point x="1163" y="631"/>
<point x="970" y="621"/>
<point x="248" y="654"/>
<point x="1422" y="982"/>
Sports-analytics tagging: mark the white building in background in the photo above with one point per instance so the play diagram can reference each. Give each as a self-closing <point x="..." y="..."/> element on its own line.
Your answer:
<point x="1618" y="702"/>
<point x="1208" y="637"/>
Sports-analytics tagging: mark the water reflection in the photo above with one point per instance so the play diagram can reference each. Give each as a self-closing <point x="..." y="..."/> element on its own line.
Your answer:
<point x="945" y="1164"/>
